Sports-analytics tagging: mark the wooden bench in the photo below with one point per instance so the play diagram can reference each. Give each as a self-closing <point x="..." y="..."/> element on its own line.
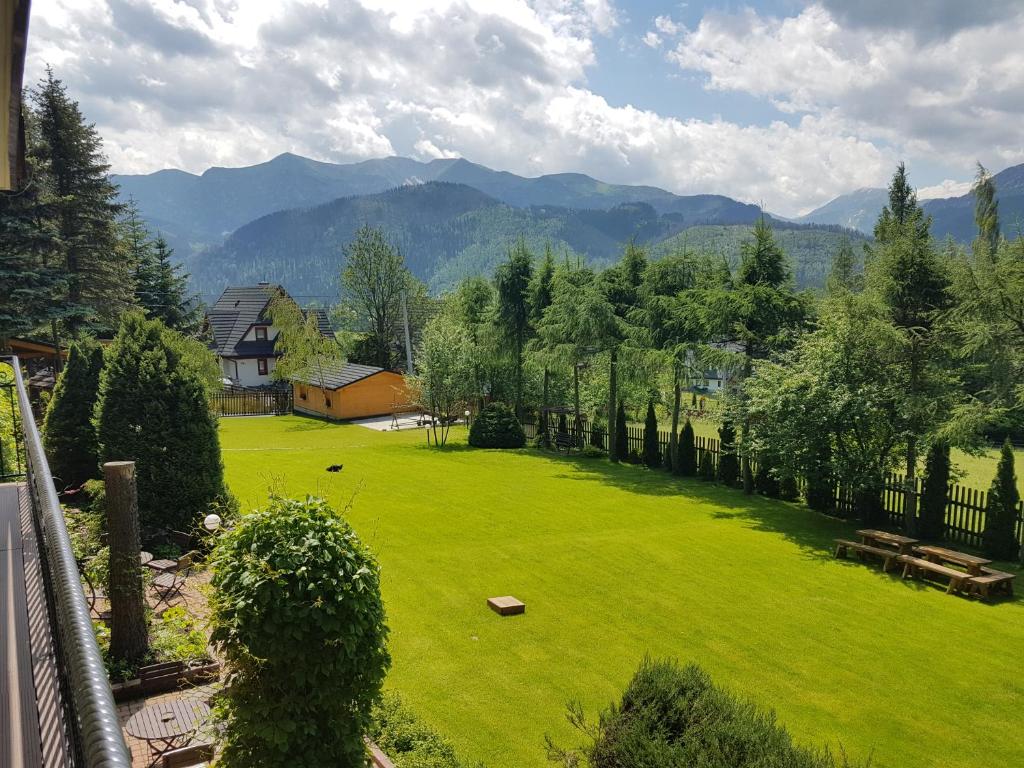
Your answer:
<point x="992" y="582"/>
<point x="888" y="556"/>
<point x="191" y="756"/>
<point x="161" y="677"/>
<point x="914" y="566"/>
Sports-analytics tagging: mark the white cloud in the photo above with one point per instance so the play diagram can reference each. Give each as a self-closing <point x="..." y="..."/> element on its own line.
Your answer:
<point x="666" y="26"/>
<point x="948" y="188"/>
<point x="651" y="40"/>
<point x="197" y="83"/>
<point x="945" y="96"/>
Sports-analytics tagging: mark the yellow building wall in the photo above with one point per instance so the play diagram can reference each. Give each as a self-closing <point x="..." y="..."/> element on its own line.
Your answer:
<point x="375" y="395"/>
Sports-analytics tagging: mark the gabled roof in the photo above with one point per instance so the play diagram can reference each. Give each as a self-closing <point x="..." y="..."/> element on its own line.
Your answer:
<point x="236" y="311"/>
<point x="341" y="376"/>
<point x="322" y="320"/>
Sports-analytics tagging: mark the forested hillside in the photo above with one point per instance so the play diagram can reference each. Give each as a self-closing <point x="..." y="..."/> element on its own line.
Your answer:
<point x="448" y="231"/>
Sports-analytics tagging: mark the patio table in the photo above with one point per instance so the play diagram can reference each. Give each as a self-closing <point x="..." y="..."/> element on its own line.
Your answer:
<point x="167" y="725"/>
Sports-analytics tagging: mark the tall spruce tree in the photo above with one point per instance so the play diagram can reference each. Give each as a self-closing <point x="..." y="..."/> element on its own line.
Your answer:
<point x="652" y="450"/>
<point x="97" y="277"/>
<point x="153" y="409"/>
<point x="621" y="437"/>
<point x="843" y="277"/>
<point x="728" y="463"/>
<point x="1000" y="537"/>
<point x="31" y="278"/>
<point x="986" y="212"/>
<point x="512" y="285"/>
<point x="908" y="275"/>
<point x="172" y="303"/>
<point x="68" y="432"/>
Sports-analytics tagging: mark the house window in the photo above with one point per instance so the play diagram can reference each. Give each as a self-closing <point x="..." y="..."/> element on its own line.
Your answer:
<point x="302" y="393"/>
<point x="261" y="366"/>
<point x="261" y="333"/>
<point x="327" y="401"/>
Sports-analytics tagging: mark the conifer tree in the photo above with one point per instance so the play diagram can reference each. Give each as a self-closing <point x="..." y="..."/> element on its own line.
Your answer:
<point x="707" y="465"/>
<point x="932" y="524"/>
<point x="986" y="211"/>
<point x="97" y="277"/>
<point x="31" y="280"/>
<point x="652" y="451"/>
<point x="173" y="304"/>
<point x="621" y="438"/>
<point x="1000" y="537"/>
<point x="687" y="451"/>
<point x="153" y="409"/>
<point x="842" y="276"/>
<point x="728" y="463"/>
<point x="68" y="433"/>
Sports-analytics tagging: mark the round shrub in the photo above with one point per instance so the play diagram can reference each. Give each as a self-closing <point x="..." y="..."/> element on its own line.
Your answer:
<point x="298" y="616"/>
<point x="497" y="427"/>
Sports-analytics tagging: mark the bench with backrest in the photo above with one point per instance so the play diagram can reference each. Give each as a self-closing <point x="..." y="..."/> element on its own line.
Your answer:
<point x="917" y="566"/>
<point x="888" y="556"/>
<point x="161" y="677"/>
<point x="992" y="582"/>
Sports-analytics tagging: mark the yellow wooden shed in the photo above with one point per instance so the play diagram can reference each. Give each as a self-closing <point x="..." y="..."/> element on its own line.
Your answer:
<point x="350" y="391"/>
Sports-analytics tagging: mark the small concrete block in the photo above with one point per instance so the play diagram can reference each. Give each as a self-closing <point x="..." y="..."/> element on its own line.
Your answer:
<point x="506" y="606"/>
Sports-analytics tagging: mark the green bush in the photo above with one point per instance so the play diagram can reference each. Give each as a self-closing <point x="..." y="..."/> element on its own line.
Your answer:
<point x="298" y="616"/>
<point x="597" y="433"/>
<point x="406" y="739"/>
<point x="496" y="427"/>
<point x="652" y="449"/>
<point x="68" y="432"/>
<point x="176" y="636"/>
<point x="675" y="717"/>
<point x="1000" y="537"/>
<point x="932" y="524"/>
<point x="821" y="488"/>
<point x="153" y="409"/>
<point x="728" y="461"/>
<point x="766" y="481"/>
<point x="707" y="465"/>
<point x="687" y="451"/>
<point x="591" y="452"/>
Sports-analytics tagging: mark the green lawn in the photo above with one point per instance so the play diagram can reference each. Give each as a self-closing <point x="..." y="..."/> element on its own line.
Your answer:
<point x="616" y="562"/>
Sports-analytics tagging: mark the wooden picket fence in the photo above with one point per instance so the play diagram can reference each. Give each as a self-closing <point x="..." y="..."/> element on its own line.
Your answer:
<point x="965" y="506"/>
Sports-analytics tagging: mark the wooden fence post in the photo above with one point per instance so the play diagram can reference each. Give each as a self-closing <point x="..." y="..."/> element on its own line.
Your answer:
<point x="129" y="636"/>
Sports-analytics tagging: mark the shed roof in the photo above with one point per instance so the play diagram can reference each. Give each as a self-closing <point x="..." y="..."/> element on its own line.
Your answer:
<point x="341" y="376"/>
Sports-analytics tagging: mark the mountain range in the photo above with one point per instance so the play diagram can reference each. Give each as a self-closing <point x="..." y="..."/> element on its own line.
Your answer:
<point x="287" y="220"/>
<point x="951" y="216"/>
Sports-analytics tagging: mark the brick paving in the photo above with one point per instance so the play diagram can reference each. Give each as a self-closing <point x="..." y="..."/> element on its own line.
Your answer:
<point x="141" y="755"/>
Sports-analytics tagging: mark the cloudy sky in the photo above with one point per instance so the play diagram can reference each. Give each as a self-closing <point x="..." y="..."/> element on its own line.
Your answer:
<point x="782" y="102"/>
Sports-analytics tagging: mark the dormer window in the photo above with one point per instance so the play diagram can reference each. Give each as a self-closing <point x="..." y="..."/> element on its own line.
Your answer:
<point x="261" y="333"/>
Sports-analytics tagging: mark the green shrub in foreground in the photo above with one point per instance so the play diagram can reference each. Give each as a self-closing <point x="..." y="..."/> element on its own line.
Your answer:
<point x="408" y="741"/>
<point x="68" y="432"/>
<point x="496" y="427"/>
<point x="675" y="717"/>
<point x="298" y="616"/>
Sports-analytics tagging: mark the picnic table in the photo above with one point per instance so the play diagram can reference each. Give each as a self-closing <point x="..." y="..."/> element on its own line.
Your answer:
<point x="167" y="725"/>
<point x="971" y="563"/>
<point x="902" y="544"/>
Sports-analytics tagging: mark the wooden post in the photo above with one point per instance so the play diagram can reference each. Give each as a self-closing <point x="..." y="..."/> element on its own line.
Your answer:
<point x="129" y="636"/>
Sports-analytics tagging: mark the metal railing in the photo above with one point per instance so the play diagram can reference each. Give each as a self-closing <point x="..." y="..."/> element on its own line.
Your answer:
<point x="94" y="731"/>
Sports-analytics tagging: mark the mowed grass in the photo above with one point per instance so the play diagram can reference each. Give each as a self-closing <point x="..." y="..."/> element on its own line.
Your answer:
<point x="615" y="562"/>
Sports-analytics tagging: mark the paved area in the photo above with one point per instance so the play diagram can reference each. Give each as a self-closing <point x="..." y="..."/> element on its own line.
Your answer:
<point x="141" y="754"/>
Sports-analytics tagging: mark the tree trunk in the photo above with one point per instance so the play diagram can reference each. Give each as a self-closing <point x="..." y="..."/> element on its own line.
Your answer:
<point x="673" y="438"/>
<point x="613" y="426"/>
<point x="576" y="403"/>
<point x="129" y="638"/>
<point x="519" y="381"/>
<point x="910" y="485"/>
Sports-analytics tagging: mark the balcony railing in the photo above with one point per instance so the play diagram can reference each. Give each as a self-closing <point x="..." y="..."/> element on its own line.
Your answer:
<point x="92" y="734"/>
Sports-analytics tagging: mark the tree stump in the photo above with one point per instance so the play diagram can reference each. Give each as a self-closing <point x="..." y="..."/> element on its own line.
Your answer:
<point x="129" y="635"/>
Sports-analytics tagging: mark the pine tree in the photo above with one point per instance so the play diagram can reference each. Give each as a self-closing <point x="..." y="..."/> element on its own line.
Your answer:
<point x="932" y="522"/>
<point x="171" y="302"/>
<point x="687" y="451"/>
<point x="31" y="280"/>
<point x="1000" y="537"/>
<point x="69" y="157"/>
<point x="842" y="276"/>
<point x="68" y="432"/>
<point x="621" y="438"/>
<point x="153" y="409"/>
<point x="707" y="466"/>
<point x="728" y="463"/>
<point x="512" y="281"/>
<point x="652" y="451"/>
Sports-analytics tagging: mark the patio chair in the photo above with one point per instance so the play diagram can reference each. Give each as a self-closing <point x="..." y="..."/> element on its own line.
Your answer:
<point x="169" y="584"/>
<point x="188" y="757"/>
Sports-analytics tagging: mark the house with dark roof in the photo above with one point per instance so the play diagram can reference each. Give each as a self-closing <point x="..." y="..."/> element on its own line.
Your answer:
<point x="350" y="391"/>
<point x="244" y="336"/>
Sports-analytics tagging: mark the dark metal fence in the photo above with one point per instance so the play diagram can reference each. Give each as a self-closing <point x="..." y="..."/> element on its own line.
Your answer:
<point x="258" y="402"/>
<point x="92" y="733"/>
<point x="965" y="507"/>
